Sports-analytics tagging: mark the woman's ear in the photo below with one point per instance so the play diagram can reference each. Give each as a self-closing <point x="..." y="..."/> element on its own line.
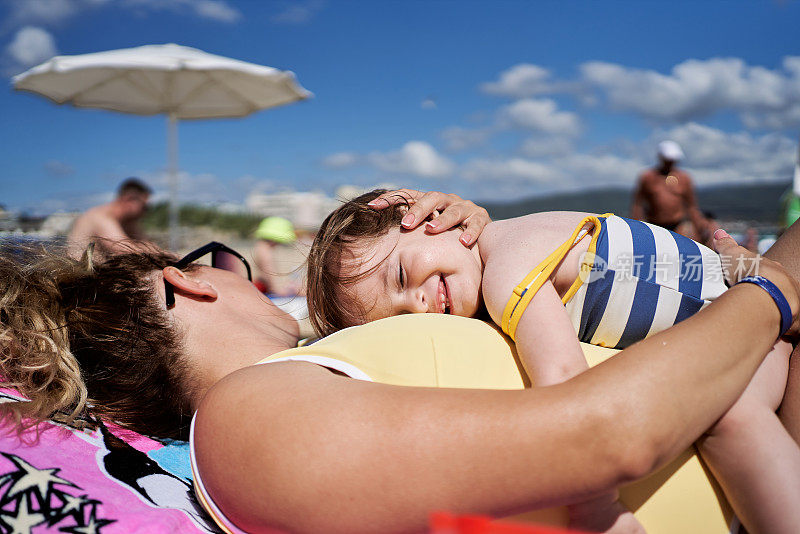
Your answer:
<point x="187" y="285"/>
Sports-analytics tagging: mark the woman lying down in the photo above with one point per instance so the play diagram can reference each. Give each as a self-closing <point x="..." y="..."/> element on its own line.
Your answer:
<point x="298" y="445"/>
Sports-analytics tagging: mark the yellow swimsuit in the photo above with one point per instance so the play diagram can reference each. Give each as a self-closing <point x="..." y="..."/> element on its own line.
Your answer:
<point x="524" y="292"/>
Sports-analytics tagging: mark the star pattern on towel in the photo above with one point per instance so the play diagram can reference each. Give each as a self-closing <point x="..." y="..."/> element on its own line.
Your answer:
<point x="72" y="506"/>
<point x="31" y="496"/>
<point x="22" y="520"/>
<point x="31" y="478"/>
<point x="92" y="526"/>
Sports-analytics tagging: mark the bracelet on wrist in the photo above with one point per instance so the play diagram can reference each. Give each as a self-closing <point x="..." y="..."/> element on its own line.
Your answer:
<point x="776" y="294"/>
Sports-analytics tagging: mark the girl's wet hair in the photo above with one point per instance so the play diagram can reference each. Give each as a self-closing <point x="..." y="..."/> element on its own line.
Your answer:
<point x="330" y="305"/>
<point x="89" y="337"/>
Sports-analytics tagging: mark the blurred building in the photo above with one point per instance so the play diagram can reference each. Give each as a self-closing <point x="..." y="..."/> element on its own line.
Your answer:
<point x="7" y="220"/>
<point x="306" y="209"/>
<point x="52" y="226"/>
<point x="349" y="192"/>
<point x="58" y="224"/>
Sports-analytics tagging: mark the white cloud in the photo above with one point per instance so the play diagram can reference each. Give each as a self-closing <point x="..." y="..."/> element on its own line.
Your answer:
<point x="697" y="88"/>
<point x="502" y="179"/>
<point x="539" y="115"/>
<point x="457" y="138"/>
<point x="340" y="160"/>
<point x="58" y="168"/>
<point x="216" y="10"/>
<point x="206" y="188"/>
<point x="520" y="81"/>
<point x="53" y="13"/>
<point x="298" y="12"/>
<point x="248" y="184"/>
<point x="565" y="172"/>
<point x="416" y="158"/>
<point x="40" y="12"/>
<point x="31" y="45"/>
<point x="762" y="97"/>
<point x="547" y="160"/>
<point x="537" y="147"/>
<point x="598" y="170"/>
<point x="428" y="103"/>
<point x="714" y="156"/>
<point x="513" y="169"/>
<point x="773" y="120"/>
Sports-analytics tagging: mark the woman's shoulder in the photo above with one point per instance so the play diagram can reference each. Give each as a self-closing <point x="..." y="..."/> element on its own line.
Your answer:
<point x="247" y="397"/>
<point x="254" y="430"/>
<point x="254" y="382"/>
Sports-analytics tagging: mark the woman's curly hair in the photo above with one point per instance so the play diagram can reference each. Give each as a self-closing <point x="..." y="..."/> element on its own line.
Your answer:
<point x="89" y="338"/>
<point x="330" y="307"/>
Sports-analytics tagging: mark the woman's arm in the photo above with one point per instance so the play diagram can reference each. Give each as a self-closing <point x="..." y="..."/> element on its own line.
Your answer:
<point x="294" y="446"/>
<point x="785" y="251"/>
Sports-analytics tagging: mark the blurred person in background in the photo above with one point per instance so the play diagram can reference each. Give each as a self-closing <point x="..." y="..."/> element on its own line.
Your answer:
<point x="113" y="222"/>
<point x="751" y="238"/>
<point x="272" y="233"/>
<point x="706" y="233"/>
<point x="665" y="196"/>
<point x="790" y="211"/>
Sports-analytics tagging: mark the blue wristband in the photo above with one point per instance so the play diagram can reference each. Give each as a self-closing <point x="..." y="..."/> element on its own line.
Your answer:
<point x="777" y="296"/>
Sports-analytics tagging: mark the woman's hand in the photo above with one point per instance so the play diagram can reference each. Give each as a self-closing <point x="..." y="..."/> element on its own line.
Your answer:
<point x="738" y="262"/>
<point x="447" y="210"/>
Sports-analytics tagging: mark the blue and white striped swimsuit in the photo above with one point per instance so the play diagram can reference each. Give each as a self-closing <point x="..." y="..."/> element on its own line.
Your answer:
<point x="644" y="279"/>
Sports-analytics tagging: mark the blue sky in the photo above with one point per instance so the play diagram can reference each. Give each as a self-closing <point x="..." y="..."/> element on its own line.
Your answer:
<point x="493" y="100"/>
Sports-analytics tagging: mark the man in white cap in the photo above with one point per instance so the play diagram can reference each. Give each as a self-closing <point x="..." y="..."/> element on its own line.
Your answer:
<point x="665" y="195"/>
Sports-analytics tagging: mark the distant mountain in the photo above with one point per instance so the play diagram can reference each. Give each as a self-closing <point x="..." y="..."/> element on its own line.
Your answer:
<point x="752" y="202"/>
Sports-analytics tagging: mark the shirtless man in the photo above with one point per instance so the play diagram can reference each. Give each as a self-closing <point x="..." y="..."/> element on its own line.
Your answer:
<point x="665" y="195"/>
<point x="109" y="223"/>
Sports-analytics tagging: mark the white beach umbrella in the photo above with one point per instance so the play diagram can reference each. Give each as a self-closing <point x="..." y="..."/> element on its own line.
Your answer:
<point x="178" y="81"/>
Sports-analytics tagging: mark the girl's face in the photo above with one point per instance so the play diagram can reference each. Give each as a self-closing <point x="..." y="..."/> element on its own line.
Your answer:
<point x="413" y="272"/>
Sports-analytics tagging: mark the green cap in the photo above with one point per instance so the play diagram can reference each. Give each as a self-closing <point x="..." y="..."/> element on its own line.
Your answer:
<point x="276" y="229"/>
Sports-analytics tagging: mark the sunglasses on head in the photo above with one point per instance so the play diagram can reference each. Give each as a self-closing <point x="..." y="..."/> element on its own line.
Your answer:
<point x="222" y="257"/>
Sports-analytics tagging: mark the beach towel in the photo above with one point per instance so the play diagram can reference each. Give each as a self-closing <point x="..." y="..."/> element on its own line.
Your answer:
<point x="108" y="480"/>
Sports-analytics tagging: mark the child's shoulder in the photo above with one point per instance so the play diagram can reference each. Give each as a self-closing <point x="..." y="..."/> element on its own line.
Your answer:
<point x="542" y="228"/>
<point x="512" y="247"/>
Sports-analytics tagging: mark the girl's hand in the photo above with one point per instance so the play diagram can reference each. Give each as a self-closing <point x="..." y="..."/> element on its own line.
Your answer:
<point x="738" y="262"/>
<point x="447" y="210"/>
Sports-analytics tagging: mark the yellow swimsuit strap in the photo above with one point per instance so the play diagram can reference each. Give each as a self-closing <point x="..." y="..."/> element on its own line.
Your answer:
<point x="524" y="292"/>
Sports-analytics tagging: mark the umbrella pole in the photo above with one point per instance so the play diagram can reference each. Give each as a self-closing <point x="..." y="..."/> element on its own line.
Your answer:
<point x="172" y="160"/>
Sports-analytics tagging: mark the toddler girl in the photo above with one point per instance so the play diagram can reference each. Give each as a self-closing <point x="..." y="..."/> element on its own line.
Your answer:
<point x="610" y="280"/>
